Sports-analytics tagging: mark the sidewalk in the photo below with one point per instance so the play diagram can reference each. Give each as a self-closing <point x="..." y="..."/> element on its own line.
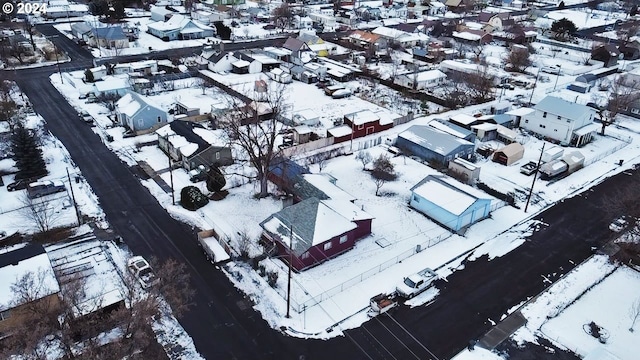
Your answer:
<point x="155" y="176"/>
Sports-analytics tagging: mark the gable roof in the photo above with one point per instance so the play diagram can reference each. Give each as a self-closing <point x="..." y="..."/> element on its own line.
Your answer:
<point x="19" y="261"/>
<point x="188" y="130"/>
<point x="365" y="36"/>
<point x="513" y="149"/>
<point x="432" y="139"/>
<point x="293" y="44"/>
<point x="311" y="222"/>
<point x="81" y="27"/>
<point x="447" y="194"/>
<point x="561" y="107"/>
<point x="109" y="33"/>
<point x="132" y="102"/>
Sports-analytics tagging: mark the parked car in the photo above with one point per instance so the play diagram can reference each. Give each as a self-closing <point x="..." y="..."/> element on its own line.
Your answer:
<point x="343" y="93"/>
<point x="86" y="117"/>
<point x="551" y="70"/>
<point x="141" y="269"/>
<point x="618" y="224"/>
<point x="416" y="283"/>
<point x="43" y="188"/>
<point x="20" y="184"/>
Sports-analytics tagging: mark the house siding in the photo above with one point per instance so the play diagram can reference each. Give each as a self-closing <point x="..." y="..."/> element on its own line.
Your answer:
<point x="366" y="128"/>
<point x="145" y="118"/>
<point x="208" y="157"/>
<point x="551" y="127"/>
<point x="479" y="210"/>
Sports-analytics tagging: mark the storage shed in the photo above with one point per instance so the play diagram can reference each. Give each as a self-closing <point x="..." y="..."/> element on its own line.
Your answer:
<point x="449" y="203"/>
<point x="552" y="154"/>
<point x="509" y="154"/>
<point x="467" y="170"/>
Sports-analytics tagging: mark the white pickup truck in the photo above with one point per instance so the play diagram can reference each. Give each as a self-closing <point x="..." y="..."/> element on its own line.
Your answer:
<point x="415" y="284"/>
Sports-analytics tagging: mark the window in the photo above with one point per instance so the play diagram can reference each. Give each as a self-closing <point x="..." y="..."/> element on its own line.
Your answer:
<point x="559" y="117"/>
<point x="544" y="115"/>
<point x="327" y="245"/>
<point x="343" y="239"/>
<point x="361" y="126"/>
<point x="416" y="199"/>
<point x="159" y="119"/>
<point x="305" y="256"/>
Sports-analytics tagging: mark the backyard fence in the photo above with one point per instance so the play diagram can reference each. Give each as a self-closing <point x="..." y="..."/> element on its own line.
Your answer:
<point x="626" y="141"/>
<point x="315" y="300"/>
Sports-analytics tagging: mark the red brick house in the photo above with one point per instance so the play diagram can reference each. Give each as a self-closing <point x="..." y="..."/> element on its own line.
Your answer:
<point x="361" y="123"/>
<point x="313" y="230"/>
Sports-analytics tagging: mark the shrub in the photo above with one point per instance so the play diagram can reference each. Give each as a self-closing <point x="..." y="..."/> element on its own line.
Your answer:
<point x="192" y="199"/>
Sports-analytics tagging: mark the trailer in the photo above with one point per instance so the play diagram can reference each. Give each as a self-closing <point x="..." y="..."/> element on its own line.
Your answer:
<point x="382" y="303"/>
<point x="551" y="154"/>
<point x="212" y="249"/>
<point x="569" y="163"/>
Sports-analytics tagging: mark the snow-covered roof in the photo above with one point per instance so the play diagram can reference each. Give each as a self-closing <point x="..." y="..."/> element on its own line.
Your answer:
<point x="432" y="139"/>
<point x="311" y="221"/>
<point x="213" y="137"/>
<point x="520" y="111"/>
<point x="307" y="114"/>
<point x="240" y="63"/>
<point x="322" y="183"/>
<point x="19" y="261"/>
<point x="563" y="108"/>
<point x="90" y="259"/>
<point x="449" y="128"/>
<point x="586" y="129"/>
<point x="128" y="105"/>
<point x="429" y="75"/>
<point x="466" y="36"/>
<point x="464" y="119"/>
<point x="113" y="83"/>
<point x="348" y="209"/>
<point x="447" y="194"/>
<point x="363" y="117"/>
<point x="485" y="126"/>
<point x="340" y="131"/>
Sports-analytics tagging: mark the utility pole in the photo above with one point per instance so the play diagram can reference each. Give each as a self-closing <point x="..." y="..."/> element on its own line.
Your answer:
<point x="534" y="86"/>
<point x="535" y="176"/>
<point x="557" y="77"/>
<point x="73" y="197"/>
<point x="289" y="279"/>
<point x="173" y="196"/>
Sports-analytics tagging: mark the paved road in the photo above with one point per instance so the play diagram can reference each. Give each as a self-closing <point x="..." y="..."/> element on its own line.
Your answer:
<point x="224" y="327"/>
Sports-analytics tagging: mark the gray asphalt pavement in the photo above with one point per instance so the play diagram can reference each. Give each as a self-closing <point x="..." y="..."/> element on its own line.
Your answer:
<point x="224" y="326"/>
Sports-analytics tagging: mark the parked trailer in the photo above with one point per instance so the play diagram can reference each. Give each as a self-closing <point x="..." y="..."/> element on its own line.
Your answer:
<point x="382" y="303"/>
<point x="569" y="163"/>
<point x="214" y="252"/>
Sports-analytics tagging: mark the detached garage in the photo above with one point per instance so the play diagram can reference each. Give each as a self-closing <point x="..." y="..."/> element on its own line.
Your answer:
<point x="509" y="154"/>
<point x="451" y="204"/>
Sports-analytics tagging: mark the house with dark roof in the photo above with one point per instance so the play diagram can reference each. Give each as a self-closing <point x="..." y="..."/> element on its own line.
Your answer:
<point x="607" y="53"/>
<point x="110" y="37"/>
<point x="562" y="121"/>
<point x="451" y="204"/>
<point x="193" y="145"/>
<point x="432" y="144"/>
<point x="313" y="230"/>
<point x="16" y="263"/>
<point x="301" y="53"/>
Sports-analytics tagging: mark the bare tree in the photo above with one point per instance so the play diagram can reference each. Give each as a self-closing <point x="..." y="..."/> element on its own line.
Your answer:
<point x="383" y="171"/>
<point x="364" y="157"/>
<point x="41" y="213"/>
<point x="634" y="313"/>
<point x="282" y="15"/>
<point x="255" y="131"/>
<point x="518" y="59"/>
<point x="480" y="84"/>
<point x="320" y="159"/>
<point x="622" y="94"/>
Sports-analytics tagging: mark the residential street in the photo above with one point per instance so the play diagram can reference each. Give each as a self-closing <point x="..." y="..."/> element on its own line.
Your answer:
<point x="223" y="324"/>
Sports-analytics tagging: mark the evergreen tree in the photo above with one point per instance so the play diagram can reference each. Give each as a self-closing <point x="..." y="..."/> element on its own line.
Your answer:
<point x="215" y="180"/>
<point x="88" y="75"/>
<point x="26" y="153"/>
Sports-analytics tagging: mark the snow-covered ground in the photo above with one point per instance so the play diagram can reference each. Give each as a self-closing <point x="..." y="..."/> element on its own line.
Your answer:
<point x="337" y="290"/>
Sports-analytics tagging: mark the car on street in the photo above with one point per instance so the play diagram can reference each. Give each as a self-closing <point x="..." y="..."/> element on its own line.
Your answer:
<point x="20" y="184"/>
<point x="86" y="117"/>
<point x="618" y="224"/>
<point x="141" y="269"/>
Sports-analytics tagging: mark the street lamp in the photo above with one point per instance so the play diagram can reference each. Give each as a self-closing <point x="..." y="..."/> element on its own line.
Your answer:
<point x="557" y="77"/>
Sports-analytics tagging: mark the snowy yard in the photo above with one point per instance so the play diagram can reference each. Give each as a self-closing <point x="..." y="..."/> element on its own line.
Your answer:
<point x="337" y="290"/>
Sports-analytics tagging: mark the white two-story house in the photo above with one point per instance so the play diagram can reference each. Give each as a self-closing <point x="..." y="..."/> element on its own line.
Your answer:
<point x="563" y="121"/>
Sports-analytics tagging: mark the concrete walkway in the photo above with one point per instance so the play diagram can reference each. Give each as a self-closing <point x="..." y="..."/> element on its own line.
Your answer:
<point x="155" y="176"/>
<point x="502" y="331"/>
